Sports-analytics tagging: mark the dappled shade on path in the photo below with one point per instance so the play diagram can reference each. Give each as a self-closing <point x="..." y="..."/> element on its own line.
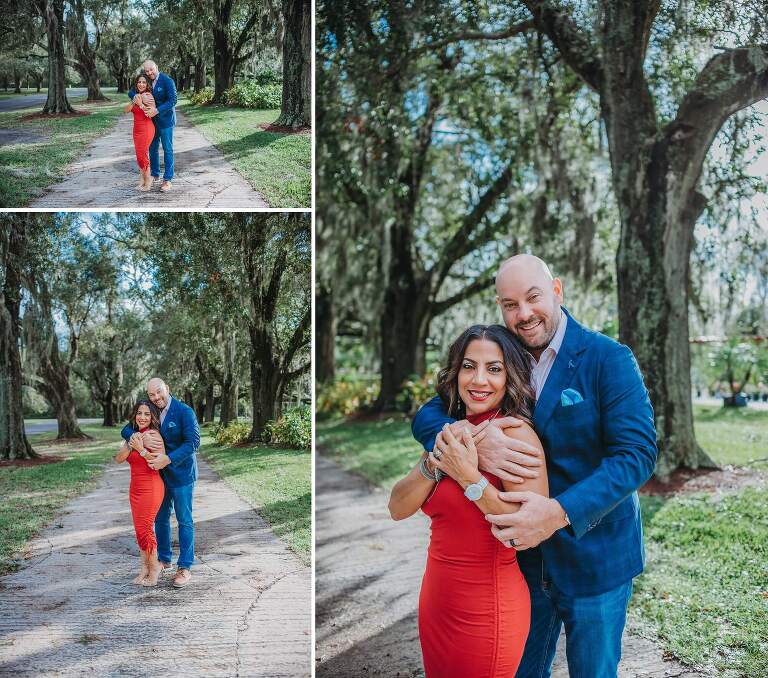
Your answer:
<point x="73" y="611"/>
<point x="106" y="175"/>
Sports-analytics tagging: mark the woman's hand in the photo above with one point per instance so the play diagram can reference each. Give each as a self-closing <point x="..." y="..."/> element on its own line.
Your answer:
<point x="456" y="457"/>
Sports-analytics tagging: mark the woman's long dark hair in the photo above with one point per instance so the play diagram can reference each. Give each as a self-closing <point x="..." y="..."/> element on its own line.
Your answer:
<point x="154" y="415"/>
<point x="519" y="398"/>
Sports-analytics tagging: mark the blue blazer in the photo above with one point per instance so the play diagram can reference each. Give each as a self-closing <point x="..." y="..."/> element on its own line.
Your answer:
<point x="165" y="101"/>
<point x="599" y="451"/>
<point x="181" y="435"/>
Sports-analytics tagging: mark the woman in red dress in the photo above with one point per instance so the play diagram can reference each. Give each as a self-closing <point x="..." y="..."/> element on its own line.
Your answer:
<point x="474" y="606"/>
<point x="147" y="488"/>
<point x="143" y="128"/>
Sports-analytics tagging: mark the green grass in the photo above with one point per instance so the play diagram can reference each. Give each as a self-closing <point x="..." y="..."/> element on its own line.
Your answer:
<point x="734" y="435"/>
<point x="33" y="495"/>
<point x="28" y="168"/>
<point x="704" y="593"/>
<point x="275" y="481"/>
<point x="277" y="165"/>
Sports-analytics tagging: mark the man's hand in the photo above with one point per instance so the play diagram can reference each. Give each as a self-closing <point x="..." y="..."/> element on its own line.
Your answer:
<point x="153" y="442"/>
<point x="137" y="99"/>
<point x="536" y="521"/>
<point x="159" y="461"/>
<point x="152" y="112"/>
<point x="505" y="457"/>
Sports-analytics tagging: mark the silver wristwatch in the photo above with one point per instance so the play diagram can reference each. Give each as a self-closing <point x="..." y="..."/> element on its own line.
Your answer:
<point x="475" y="490"/>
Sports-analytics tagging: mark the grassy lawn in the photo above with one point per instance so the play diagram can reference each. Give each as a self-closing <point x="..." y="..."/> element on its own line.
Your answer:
<point x="28" y="167"/>
<point x="32" y="495"/>
<point x="277" y="165"/>
<point x="704" y="593"/>
<point x="275" y="481"/>
<point x="736" y="435"/>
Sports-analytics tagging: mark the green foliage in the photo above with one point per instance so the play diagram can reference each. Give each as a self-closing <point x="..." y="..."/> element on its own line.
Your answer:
<point x="202" y="97"/>
<point x="293" y="429"/>
<point x="415" y="392"/>
<point x="345" y="397"/>
<point x="234" y="433"/>
<point x="268" y="76"/>
<point x="250" y="94"/>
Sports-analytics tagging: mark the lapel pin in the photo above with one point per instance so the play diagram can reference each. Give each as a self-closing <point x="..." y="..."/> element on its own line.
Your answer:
<point x="571" y="364"/>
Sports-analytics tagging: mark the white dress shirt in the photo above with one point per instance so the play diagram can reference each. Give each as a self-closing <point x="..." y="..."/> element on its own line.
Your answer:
<point x="541" y="368"/>
<point x="167" y="407"/>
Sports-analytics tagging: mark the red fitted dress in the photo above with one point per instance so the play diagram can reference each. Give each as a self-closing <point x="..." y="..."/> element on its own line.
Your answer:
<point x="146" y="494"/>
<point x="474" y="606"/>
<point x="143" y="132"/>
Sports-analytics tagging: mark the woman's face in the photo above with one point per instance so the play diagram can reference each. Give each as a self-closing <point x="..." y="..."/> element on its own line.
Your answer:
<point x="482" y="376"/>
<point x="141" y="85"/>
<point x="143" y="417"/>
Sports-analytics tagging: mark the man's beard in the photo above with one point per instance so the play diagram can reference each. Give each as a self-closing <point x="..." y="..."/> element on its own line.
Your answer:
<point x="549" y="334"/>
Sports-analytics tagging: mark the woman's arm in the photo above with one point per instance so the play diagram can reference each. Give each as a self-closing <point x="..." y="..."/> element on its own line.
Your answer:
<point x="459" y="460"/>
<point x="122" y="453"/>
<point x="410" y="493"/>
<point x="127" y="108"/>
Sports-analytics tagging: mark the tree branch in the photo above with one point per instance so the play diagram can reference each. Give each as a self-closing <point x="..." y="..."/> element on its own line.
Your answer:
<point x="297" y="372"/>
<point x="465" y="35"/>
<point x="483" y="282"/>
<point x="300" y="338"/>
<point x="577" y="50"/>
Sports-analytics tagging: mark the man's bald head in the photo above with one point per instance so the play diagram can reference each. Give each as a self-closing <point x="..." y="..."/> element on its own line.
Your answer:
<point x="529" y="298"/>
<point x="158" y="393"/>
<point x="150" y="68"/>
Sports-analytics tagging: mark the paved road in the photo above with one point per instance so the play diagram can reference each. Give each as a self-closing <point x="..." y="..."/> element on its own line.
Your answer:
<point x="72" y="611"/>
<point x="49" y="425"/>
<point x="32" y="100"/>
<point x="105" y="176"/>
<point x="368" y="573"/>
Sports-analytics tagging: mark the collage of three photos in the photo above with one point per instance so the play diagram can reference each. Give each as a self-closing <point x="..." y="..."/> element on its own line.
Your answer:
<point x="367" y="338"/>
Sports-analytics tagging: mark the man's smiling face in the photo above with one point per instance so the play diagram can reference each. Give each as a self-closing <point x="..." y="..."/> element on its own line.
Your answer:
<point x="530" y="300"/>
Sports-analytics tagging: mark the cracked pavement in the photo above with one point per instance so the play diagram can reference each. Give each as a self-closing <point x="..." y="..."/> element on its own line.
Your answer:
<point x="72" y="610"/>
<point x="106" y="175"/>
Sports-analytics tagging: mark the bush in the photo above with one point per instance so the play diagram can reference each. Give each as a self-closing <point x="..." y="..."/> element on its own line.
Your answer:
<point x="293" y="429"/>
<point x="342" y="398"/>
<point x="233" y="433"/>
<point x="202" y="97"/>
<point x="415" y="392"/>
<point x="250" y="94"/>
<point x="267" y="76"/>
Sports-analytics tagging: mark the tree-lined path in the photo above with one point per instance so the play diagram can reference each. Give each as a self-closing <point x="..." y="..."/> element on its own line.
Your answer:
<point x="369" y="571"/>
<point x="106" y="175"/>
<point x="72" y="611"/>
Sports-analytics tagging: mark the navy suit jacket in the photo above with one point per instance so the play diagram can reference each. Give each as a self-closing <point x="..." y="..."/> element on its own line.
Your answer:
<point x="599" y="452"/>
<point x="181" y="435"/>
<point x="164" y="92"/>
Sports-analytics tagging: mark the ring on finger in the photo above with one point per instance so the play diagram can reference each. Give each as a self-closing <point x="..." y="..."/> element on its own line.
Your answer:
<point x="512" y="543"/>
<point x="437" y="454"/>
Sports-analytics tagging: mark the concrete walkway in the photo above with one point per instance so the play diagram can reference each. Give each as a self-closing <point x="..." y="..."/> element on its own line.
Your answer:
<point x="106" y="175"/>
<point x="72" y="610"/>
<point x="368" y="574"/>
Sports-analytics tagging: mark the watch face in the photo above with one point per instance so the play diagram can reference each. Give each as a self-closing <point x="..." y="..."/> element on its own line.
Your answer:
<point x="474" y="492"/>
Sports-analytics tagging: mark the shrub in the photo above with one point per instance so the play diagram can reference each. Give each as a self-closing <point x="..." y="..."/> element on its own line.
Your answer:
<point x="233" y="433"/>
<point x="293" y="429"/>
<point x="415" y="392"/>
<point x="250" y="94"/>
<point x="202" y="97"/>
<point x="342" y="398"/>
<point x="267" y="76"/>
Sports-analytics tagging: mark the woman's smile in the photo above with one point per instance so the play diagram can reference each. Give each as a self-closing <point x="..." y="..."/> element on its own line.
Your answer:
<point x="482" y="379"/>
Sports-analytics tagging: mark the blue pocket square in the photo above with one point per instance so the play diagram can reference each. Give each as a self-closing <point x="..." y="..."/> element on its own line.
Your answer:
<point x="172" y="424"/>
<point x="570" y="397"/>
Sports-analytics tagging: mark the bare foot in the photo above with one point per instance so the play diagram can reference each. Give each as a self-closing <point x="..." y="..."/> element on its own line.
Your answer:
<point x="165" y="186"/>
<point x="142" y="575"/>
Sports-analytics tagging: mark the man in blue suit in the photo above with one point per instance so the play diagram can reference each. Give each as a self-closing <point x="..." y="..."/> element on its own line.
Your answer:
<point x="178" y="469"/>
<point x="164" y="118"/>
<point x="580" y="548"/>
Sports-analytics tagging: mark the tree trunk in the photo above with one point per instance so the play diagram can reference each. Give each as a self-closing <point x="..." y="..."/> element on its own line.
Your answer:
<point x="210" y="405"/>
<point x="52" y="12"/>
<point x="325" y="334"/>
<point x="17" y="82"/>
<point x="200" y="81"/>
<point x="228" y="410"/>
<point x="265" y="383"/>
<point x="92" y="82"/>
<point x="109" y="407"/>
<point x="223" y="58"/>
<point x="13" y="439"/>
<point x="39" y="84"/>
<point x="295" y="108"/>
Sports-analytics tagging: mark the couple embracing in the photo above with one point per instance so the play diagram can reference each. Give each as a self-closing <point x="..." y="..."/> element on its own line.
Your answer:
<point x="153" y="105"/>
<point x="160" y="442"/>
<point x="535" y="447"/>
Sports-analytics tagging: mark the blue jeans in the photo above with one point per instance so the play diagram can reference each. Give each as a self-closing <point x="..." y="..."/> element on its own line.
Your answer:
<point x="180" y="499"/>
<point x="593" y="629"/>
<point x="164" y="136"/>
